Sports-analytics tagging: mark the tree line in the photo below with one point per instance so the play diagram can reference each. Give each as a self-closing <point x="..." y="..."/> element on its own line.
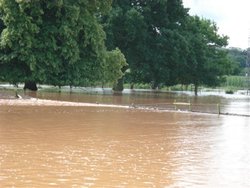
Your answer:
<point x="238" y="58"/>
<point x="85" y="42"/>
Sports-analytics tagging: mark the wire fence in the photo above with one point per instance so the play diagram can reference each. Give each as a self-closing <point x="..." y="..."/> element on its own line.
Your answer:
<point x="220" y="109"/>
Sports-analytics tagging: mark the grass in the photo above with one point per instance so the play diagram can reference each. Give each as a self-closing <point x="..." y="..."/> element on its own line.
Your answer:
<point x="138" y="86"/>
<point x="179" y="87"/>
<point x="235" y="82"/>
<point x="230" y="86"/>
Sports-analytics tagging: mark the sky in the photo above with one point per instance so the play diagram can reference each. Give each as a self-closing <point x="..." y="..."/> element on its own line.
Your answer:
<point x="232" y="17"/>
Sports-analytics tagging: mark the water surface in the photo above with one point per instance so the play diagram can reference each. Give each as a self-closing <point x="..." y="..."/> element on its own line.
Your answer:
<point x="110" y="147"/>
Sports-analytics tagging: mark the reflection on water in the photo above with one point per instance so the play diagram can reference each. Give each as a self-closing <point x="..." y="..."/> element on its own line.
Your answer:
<point x="105" y="147"/>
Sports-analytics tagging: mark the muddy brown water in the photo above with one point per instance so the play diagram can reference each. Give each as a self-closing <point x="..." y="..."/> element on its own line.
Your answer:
<point x="60" y="146"/>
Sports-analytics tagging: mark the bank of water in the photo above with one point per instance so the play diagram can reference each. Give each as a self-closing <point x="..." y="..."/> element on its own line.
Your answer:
<point x="70" y="146"/>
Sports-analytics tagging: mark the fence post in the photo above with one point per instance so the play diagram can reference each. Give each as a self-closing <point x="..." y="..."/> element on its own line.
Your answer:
<point x="218" y="108"/>
<point x="190" y="107"/>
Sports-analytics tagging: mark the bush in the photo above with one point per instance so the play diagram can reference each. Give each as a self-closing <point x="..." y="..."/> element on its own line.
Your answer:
<point x="229" y="92"/>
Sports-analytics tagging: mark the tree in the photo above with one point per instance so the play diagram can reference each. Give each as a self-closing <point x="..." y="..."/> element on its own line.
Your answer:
<point x="238" y="60"/>
<point x="112" y="69"/>
<point x="147" y="32"/>
<point x="54" y="42"/>
<point x="125" y="28"/>
<point x="206" y="60"/>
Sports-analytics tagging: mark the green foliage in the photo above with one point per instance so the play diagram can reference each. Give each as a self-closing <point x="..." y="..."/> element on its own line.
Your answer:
<point x="63" y="43"/>
<point x="115" y="61"/>
<point x="54" y="42"/>
<point x="238" y="60"/>
<point x="164" y="45"/>
<point x="148" y="33"/>
<point x="206" y="61"/>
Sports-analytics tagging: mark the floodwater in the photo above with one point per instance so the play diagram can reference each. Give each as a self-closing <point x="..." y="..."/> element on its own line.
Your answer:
<point x="60" y="146"/>
<point x="206" y="102"/>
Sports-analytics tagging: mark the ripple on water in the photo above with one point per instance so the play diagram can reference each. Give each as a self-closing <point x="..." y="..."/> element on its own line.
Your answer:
<point x="87" y="147"/>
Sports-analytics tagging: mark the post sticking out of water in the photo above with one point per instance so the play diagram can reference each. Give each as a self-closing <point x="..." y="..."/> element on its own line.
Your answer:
<point x="218" y="108"/>
<point x="190" y="107"/>
<point x="175" y="106"/>
<point x="17" y="96"/>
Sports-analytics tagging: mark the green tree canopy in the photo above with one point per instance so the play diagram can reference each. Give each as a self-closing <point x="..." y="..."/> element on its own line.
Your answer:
<point x="147" y="32"/>
<point x="54" y="42"/>
<point x="238" y="58"/>
<point x="206" y="59"/>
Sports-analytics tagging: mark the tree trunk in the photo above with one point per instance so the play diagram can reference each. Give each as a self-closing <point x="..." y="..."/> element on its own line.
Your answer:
<point x="186" y="87"/>
<point x="154" y="85"/>
<point x="132" y="86"/>
<point x="119" y="85"/>
<point x="30" y="85"/>
<point x="196" y="89"/>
